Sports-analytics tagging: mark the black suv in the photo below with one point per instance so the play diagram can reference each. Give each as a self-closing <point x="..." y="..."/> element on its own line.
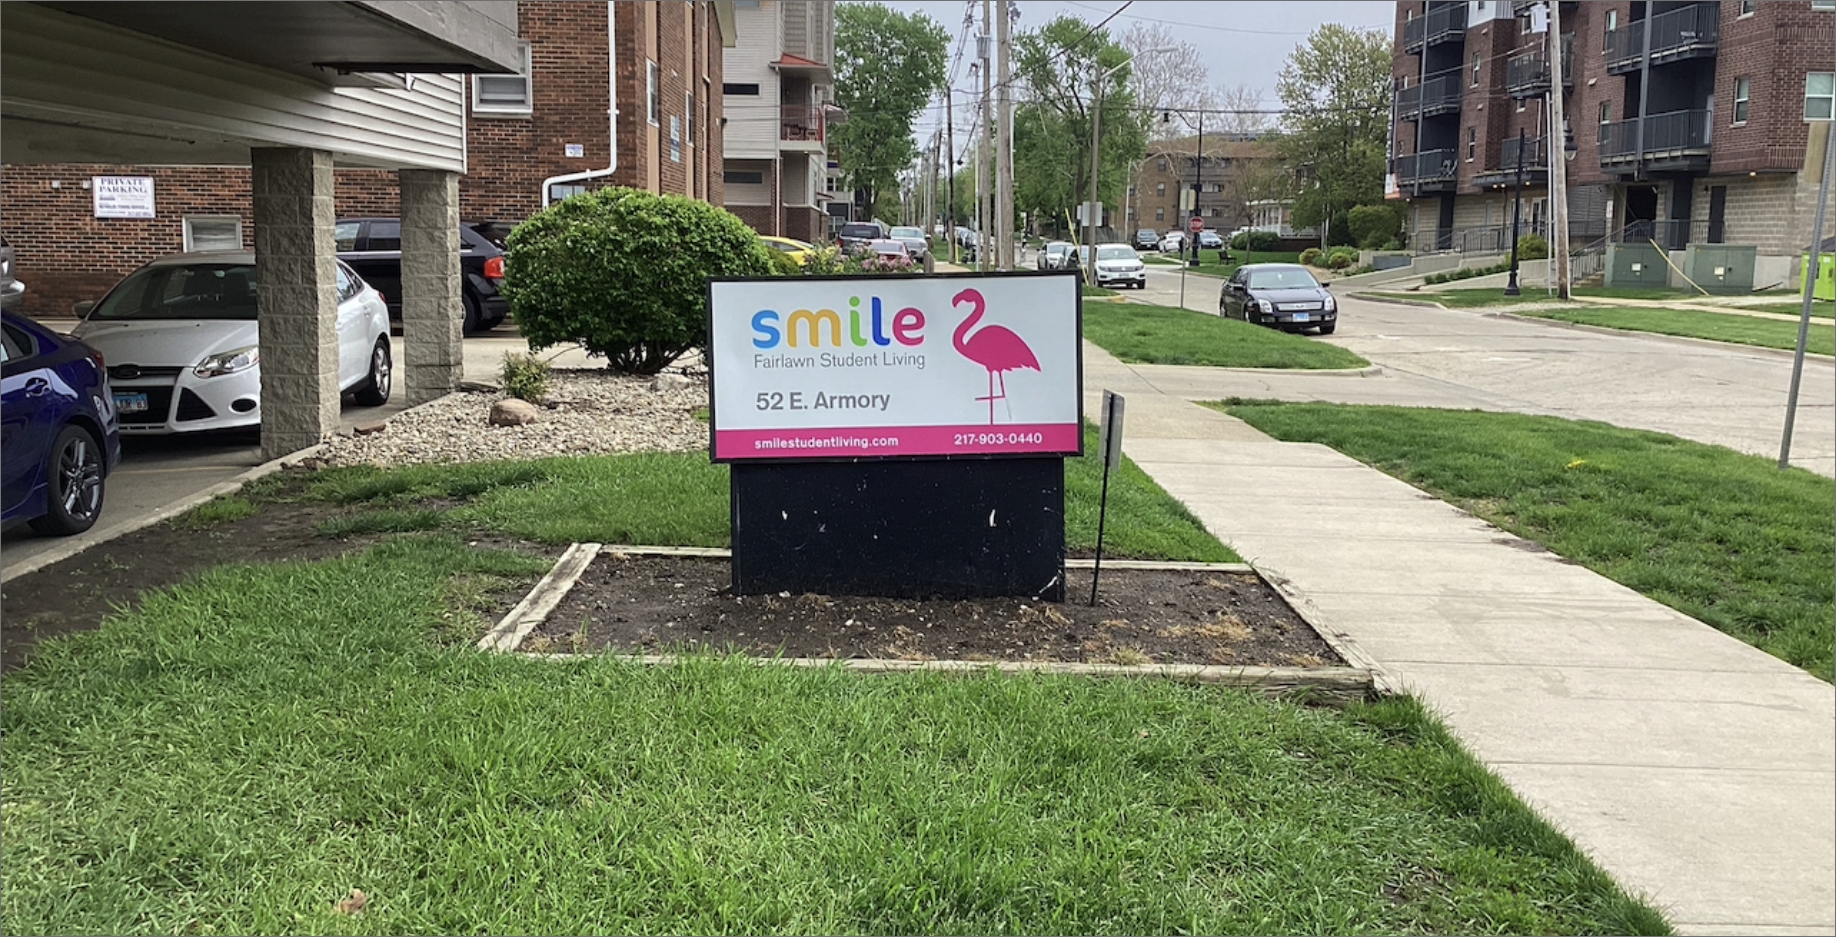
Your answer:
<point x="373" y="248"/>
<point x="855" y="235"/>
<point x="1147" y="240"/>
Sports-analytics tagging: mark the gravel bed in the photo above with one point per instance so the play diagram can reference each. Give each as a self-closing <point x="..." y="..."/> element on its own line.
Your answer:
<point x="588" y="412"/>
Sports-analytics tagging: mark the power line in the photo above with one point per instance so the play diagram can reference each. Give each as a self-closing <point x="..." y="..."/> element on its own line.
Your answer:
<point x="1222" y="29"/>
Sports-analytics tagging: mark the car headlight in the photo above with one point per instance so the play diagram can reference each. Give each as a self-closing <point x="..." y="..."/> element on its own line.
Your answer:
<point x="1265" y="305"/>
<point x="1332" y="305"/>
<point x="229" y="362"/>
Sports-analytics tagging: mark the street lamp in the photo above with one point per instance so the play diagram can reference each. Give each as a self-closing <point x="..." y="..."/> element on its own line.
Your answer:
<point x="1096" y="151"/>
<point x="1517" y="215"/>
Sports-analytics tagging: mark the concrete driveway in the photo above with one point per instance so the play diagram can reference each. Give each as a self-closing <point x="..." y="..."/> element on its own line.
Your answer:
<point x="1709" y="392"/>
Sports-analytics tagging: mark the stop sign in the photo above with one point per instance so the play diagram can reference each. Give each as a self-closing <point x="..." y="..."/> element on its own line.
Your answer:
<point x="1195" y="224"/>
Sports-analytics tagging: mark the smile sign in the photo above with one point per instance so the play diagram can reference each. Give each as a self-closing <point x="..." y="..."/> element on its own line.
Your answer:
<point x="878" y="367"/>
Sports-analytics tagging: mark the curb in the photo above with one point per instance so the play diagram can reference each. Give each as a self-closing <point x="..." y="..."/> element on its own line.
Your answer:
<point x="77" y="545"/>
<point x="1679" y="339"/>
<point x="1394" y="301"/>
<point x="541" y="600"/>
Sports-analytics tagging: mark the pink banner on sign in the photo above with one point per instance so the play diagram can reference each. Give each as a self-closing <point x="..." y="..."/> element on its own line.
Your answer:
<point x="877" y="442"/>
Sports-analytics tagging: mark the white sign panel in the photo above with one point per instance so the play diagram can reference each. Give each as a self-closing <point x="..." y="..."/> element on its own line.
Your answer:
<point x="122" y="196"/>
<point x="875" y="367"/>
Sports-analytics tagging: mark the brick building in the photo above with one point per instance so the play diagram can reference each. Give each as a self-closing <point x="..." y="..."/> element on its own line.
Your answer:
<point x="1229" y="178"/>
<point x="548" y="123"/>
<point x="779" y="94"/>
<point x="1735" y="96"/>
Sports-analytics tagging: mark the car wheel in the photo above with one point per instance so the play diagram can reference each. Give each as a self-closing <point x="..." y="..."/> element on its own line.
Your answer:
<point x="73" y="485"/>
<point x="376" y="387"/>
<point x="471" y="315"/>
<point x="1329" y="329"/>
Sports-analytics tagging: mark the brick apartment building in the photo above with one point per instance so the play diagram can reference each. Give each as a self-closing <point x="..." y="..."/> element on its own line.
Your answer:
<point x="1228" y="180"/>
<point x="779" y="94"/>
<point x="660" y="67"/>
<point x="1736" y="97"/>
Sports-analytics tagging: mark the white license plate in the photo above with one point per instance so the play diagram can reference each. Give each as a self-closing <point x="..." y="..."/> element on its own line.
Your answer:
<point x="130" y="403"/>
<point x="1302" y="317"/>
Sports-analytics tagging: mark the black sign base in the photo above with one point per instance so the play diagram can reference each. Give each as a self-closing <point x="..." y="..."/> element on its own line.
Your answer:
<point x="950" y="529"/>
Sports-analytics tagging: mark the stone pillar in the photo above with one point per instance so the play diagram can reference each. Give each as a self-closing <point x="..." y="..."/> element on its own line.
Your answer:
<point x="433" y="312"/>
<point x="297" y="281"/>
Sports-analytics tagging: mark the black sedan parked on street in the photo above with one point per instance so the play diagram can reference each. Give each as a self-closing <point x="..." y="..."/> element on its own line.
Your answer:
<point x="373" y="248"/>
<point x="1282" y="296"/>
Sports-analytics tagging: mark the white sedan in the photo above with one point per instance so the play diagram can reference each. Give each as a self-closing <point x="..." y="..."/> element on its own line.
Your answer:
<point x="182" y="347"/>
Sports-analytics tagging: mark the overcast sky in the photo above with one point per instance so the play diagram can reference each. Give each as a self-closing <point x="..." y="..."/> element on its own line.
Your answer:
<point x="1243" y="41"/>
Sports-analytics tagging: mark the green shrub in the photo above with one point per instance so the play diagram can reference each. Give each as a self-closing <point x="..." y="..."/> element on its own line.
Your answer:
<point x="825" y="261"/>
<point x="1532" y="247"/>
<point x="1262" y="240"/>
<point x="1309" y="256"/>
<point x="1339" y="258"/>
<point x="1338" y="232"/>
<point x="624" y="273"/>
<point x="1371" y="226"/>
<point x="524" y="376"/>
<point x="783" y="264"/>
<point x="1239" y="241"/>
<point x="1393" y="244"/>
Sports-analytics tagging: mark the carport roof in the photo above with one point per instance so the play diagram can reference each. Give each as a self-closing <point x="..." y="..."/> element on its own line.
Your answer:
<point x="329" y="41"/>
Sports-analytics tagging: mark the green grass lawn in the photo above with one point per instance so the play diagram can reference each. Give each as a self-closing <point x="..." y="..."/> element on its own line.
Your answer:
<point x="1820" y="308"/>
<point x="1141" y="333"/>
<point x="205" y="763"/>
<point x="679" y="499"/>
<point x="1098" y="291"/>
<point x="1463" y="299"/>
<point x="1717" y="326"/>
<point x="1723" y="537"/>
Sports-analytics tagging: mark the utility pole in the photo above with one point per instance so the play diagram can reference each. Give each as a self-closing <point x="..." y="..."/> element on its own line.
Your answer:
<point x="950" y="169"/>
<point x="984" y="176"/>
<point x="1096" y="148"/>
<point x="1198" y="188"/>
<point x="1558" y="164"/>
<point x="1004" y="138"/>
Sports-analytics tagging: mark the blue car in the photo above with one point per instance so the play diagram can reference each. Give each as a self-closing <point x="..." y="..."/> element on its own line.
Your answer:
<point x="58" y="434"/>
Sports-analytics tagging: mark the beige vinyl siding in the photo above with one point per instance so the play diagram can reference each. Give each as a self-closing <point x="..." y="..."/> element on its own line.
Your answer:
<point x="90" y="76"/>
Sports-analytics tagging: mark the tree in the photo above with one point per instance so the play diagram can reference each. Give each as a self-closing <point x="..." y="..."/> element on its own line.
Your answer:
<point x="1335" y="91"/>
<point x="1055" y="67"/>
<point x="1171" y="81"/>
<point x="887" y="67"/>
<point x="1244" y="112"/>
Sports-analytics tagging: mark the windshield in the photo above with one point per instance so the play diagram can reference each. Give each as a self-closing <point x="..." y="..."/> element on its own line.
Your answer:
<point x="860" y="231"/>
<point x="1059" y="248"/>
<point x="1117" y="252"/>
<point x="1281" y="278"/>
<point x="908" y="233"/>
<point x="189" y="291"/>
<point x="888" y="247"/>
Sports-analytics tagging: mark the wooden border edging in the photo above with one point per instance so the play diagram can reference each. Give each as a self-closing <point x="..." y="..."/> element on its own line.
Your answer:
<point x="541" y="600"/>
<point x="1338" y="686"/>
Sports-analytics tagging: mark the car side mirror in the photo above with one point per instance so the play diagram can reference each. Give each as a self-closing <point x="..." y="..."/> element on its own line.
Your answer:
<point x="82" y="309"/>
<point x="1325" y="284"/>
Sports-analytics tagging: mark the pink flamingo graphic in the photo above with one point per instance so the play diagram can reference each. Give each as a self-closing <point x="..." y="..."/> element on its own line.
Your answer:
<point x="995" y="348"/>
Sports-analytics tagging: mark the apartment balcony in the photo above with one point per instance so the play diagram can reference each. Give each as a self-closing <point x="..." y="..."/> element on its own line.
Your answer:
<point x="1444" y="23"/>
<point x="1431" y="171"/>
<point x="1689" y="32"/>
<point x="1527" y="73"/>
<point x="1431" y="98"/>
<point x="803" y="127"/>
<point x="1678" y="140"/>
<point x="1504" y="173"/>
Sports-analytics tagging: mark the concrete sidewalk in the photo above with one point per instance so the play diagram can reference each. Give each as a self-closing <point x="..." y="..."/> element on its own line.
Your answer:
<point x="1698" y="771"/>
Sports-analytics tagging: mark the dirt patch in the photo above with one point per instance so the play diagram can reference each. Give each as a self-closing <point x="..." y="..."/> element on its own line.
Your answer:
<point x="78" y="593"/>
<point x="657" y="604"/>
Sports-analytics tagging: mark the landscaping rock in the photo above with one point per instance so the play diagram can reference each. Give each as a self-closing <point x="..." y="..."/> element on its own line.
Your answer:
<point x="371" y="429"/>
<point x="667" y="382"/>
<point x="513" y="412"/>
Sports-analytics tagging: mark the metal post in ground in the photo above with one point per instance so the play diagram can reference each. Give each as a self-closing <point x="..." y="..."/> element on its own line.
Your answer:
<point x="1517" y="215"/>
<point x="1810" y="285"/>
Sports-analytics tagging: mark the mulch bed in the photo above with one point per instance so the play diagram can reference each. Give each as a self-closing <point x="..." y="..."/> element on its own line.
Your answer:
<point x="647" y="604"/>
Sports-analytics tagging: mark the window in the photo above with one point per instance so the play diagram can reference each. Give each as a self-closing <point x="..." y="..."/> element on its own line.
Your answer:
<point x="1472" y="144"/>
<point x="344" y="236"/>
<point x="653" y="102"/>
<point x="1748" y="6"/>
<point x="1131" y="191"/>
<point x="19" y="344"/>
<point x="1606" y="35"/>
<point x="1217" y="213"/>
<point x="688" y="120"/>
<point x="1160" y="214"/>
<point x="748" y="89"/>
<point x="1521" y="104"/>
<point x="1163" y="165"/>
<point x="1478" y="59"/>
<point x="384" y="236"/>
<point x="744" y="177"/>
<point x="505" y="94"/>
<point x="213" y="233"/>
<point x="1742" y="93"/>
<point x="1819" y="95"/>
<point x="1606" y="117"/>
<point x="1160" y="189"/>
<point x="560" y="192"/>
<point x="1823" y="4"/>
<point x="348" y="284"/>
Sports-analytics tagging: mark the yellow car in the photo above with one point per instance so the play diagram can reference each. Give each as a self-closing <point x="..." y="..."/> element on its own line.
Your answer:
<point x="798" y="250"/>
